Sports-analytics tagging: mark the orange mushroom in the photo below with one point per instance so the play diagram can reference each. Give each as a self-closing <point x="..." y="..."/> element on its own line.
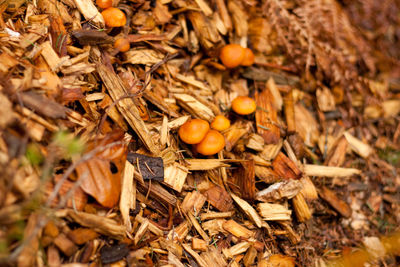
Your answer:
<point x="193" y="131"/>
<point x="212" y="143"/>
<point x="232" y="55"/>
<point x="104" y="3"/>
<point x="122" y="44"/>
<point x="114" y="17"/>
<point x="248" y="59"/>
<point x="220" y="123"/>
<point x="244" y="105"/>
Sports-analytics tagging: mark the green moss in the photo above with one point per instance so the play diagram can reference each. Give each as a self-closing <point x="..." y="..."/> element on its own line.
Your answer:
<point x="390" y="155"/>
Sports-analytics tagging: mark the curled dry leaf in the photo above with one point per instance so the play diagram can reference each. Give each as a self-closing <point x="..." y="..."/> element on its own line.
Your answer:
<point x="102" y="172"/>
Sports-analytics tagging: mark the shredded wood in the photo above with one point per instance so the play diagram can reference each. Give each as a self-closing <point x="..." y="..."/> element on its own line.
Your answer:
<point x="94" y="170"/>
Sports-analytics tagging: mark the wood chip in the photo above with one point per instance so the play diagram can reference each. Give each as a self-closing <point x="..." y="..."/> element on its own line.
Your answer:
<point x="339" y="205"/>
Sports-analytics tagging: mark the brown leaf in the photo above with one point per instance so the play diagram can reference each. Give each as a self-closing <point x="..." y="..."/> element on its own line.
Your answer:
<point x="102" y="173"/>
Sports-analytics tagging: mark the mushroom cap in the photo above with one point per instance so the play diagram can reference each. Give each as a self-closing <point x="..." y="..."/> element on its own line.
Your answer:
<point x="232" y="55"/>
<point x="249" y="58"/>
<point x="220" y="123"/>
<point x="193" y="131"/>
<point x="212" y="143"/>
<point x="114" y="17"/>
<point x="244" y="105"/>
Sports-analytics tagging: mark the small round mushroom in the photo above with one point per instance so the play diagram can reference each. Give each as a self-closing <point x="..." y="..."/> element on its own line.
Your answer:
<point x="232" y="55"/>
<point x="220" y="123"/>
<point x="244" y="105"/>
<point x="248" y="59"/>
<point x="104" y="3"/>
<point x="193" y="131"/>
<point x="114" y="17"/>
<point x="122" y="44"/>
<point x="212" y="143"/>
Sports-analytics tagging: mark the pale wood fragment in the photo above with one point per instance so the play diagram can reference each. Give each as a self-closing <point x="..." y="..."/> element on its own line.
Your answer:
<point x="179" y="232"/>
<point x="128" y="194"/>
<point x="248" y="210"/>
<point x="236" y="132"/>
<point x="214" y="226"/>
<point x="223" y="11"/>
<point x="143" y="56"/>
<point x="89" y="11"/>
<point x="199" y="244"/>
<point x="34" y="34"/>
<point x="195" y="255"/>
<point x="328" y="171"/>
<point x="274" y="212"/>
<point x="216" y="215"/>
<point x="391" y="108"/>
<point x="305" y="125"/>
<point x="51" y="57"/>
<point x="277" y="98"/>
<point x="157" y="191"/>
<point x="219" y="24"/>
<point x="7" y="62"/>
<point x="194" y="106"/>
<point x="358" y="146"/>
<point x="301" y="208"/>
<point x="175" y="176"/>
<point x="141" y="231"/>
<point x="126" y="106"/>
<point x="152" y="228"/>
<point x="291" y="234"/>
<point x="237" y="230"/>
<point x="164" y="131"/>
<point x="286" y="189"/>
<point x="192" y="81"/>
<point x="197" y="226"/>
<point x="214" y="257"/>
<point x="174" y="260"/>
<point x="160" y="103"/>
<point x="205" y="31"/>
<point x="100" y="224"/>
<point x="255" y="142"/>
<point x="271" y="151"/>
<point x="308" y="189"/>
<point x="53" y="256"/>
<point x="204" y="7"/>
<point x="337" y="154"/>
<point x="239" y="18"/>
<point x="236" y="249"/>
<point x="325" y="99"/>
<point x="205" y="164"/>
<point x="94" y="96"/>
<point x="56" y="9"/>
<point x="161" y="13"/>
<point x="249" y="258"/>
<point x="266" y="174"/>
<point x="34" y="130"/>
<point x="113" y="112"/>
<point x="193" y="202"/>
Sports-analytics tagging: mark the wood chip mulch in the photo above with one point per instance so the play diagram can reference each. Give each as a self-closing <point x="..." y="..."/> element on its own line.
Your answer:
<point x="92" y="169"/>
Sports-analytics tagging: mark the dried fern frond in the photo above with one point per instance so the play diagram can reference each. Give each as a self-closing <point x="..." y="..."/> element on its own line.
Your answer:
<point x="319" y="33"/>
